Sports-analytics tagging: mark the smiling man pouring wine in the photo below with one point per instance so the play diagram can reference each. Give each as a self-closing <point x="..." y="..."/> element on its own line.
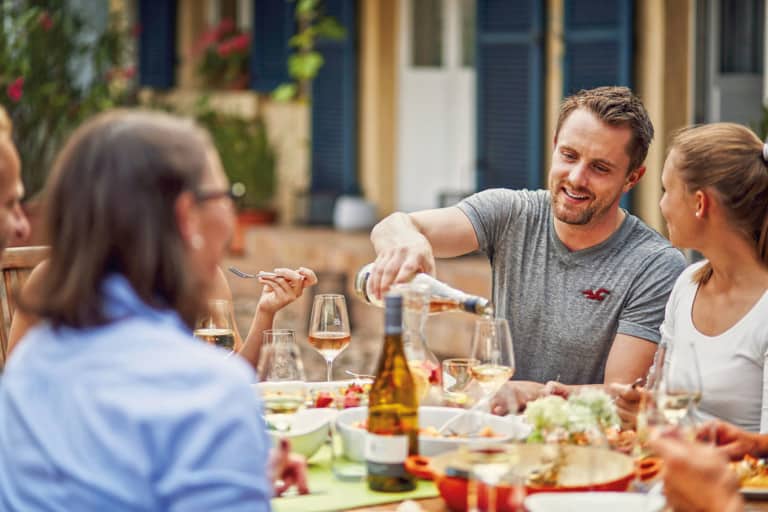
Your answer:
<point x="582" y="282"/>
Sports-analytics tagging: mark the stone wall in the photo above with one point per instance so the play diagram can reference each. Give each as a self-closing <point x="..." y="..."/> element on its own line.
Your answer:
<point x="336" y="257"/>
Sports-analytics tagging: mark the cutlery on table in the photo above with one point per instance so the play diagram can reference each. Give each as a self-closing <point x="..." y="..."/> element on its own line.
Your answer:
<point x="247" y="275"/>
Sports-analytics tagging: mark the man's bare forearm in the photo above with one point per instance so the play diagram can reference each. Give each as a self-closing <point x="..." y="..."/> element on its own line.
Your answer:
<point x="394" y="230"/>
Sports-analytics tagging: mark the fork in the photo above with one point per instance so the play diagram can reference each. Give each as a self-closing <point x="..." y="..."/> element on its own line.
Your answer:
<point x="466" y="413"/>
<point x="246" y="275"/>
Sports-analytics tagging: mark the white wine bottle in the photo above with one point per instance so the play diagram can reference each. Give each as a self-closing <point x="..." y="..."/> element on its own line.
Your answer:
<point x="393" y="410"/>
<point x="442" y="297"/>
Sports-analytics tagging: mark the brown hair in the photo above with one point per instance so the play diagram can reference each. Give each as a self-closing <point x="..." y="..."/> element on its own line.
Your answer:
<point x="615" y="106"/>
<point x="728" y="159"/>
<point x="110" y="208"/>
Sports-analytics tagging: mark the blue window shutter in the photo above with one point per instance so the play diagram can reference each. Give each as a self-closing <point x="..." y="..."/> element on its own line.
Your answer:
<point x="272" y="27"/>
<point x="598" y="44"/>
<point x="334" y="108"/>
<point x="509" y="93"/>
<point x="598" y="40"/>
<point x="157" y="43"/>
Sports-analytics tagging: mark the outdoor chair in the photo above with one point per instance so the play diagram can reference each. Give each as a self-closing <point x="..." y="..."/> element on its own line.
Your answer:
<point x="16" y="264"/>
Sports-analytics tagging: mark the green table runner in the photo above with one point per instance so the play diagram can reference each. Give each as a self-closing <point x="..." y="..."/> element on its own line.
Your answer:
<point x="329" y="494"/>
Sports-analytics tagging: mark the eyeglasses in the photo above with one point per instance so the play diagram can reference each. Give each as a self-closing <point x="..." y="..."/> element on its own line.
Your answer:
<point x="234" y="192"/>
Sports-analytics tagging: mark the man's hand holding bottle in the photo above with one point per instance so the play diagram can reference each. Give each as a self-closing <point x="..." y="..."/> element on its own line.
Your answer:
<point x="401" y="254"/>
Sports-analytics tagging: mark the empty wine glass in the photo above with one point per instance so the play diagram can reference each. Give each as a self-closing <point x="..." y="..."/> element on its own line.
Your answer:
<point x="329" y="331"/>
<point x="283" y="386"/>
<point x="214" y="325"/>
<point x="489" y="462"/>
<point x="492" y="349"/>
<point x="458" y="382"/>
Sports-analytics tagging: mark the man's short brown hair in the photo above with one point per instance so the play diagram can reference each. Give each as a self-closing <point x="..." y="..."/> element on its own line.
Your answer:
<point x="615" y="106"/>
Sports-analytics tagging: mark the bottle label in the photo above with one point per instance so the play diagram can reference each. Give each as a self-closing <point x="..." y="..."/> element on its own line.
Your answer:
<point x="385" y="455"/>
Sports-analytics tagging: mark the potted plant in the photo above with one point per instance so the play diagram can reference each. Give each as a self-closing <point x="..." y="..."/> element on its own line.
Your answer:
<point x="52" y="78"/>
<point x="249" y="160"/>
<point x="223" y="53"/>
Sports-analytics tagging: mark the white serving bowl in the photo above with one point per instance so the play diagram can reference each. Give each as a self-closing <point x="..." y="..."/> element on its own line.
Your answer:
<point x="308" y="430"/>
<point x="594" y="502"/>
<point x="353" y="438"/>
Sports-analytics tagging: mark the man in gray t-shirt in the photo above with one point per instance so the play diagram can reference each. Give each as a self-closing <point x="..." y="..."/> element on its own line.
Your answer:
<point x="582" y="282"/>
<point x="565" y="307"/>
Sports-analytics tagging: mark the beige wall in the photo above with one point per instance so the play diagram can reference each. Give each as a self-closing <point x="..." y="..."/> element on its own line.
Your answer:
<point x="378" y="102"/>
<point x="663" y="79"/>
<point x="554" y="78"/>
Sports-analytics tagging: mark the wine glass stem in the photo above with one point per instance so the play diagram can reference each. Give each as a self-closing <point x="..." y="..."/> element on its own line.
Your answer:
<point x="329" y="373"/>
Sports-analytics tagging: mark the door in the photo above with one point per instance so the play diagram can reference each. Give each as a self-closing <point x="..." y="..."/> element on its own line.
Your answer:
<point x="730" y="57"/>
<point x="436" y="103"/>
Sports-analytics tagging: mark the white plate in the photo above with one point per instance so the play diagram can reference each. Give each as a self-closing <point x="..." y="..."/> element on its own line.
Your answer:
<point x="508" y="427"/>
<point x="594" y="502"/>
<point x="755" y="493"/>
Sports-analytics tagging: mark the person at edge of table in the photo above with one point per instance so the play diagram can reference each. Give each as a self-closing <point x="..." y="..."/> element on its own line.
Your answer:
<point x="110" y="403"/>
<point x="696" y="475"/>
<point x="14" y="225"/>
<point x="716" y="202"/>
<point x="278" y="291"/>
<point x="582" y="282"/>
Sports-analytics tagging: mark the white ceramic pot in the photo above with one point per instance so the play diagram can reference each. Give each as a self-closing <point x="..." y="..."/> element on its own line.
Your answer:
<point x="352" y="213"/>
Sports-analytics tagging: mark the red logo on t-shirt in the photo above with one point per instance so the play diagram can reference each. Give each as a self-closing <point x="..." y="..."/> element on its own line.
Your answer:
<point x="598" y="294"/>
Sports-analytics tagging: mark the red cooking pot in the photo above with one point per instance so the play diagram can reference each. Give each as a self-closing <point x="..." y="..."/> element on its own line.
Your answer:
<point x="584" y="468"/>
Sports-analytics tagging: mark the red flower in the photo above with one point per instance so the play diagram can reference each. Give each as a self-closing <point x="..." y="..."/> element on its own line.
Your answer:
<point x="233" y="45"/>
<point x="16" y="89"/>
<point x="45" y="21"/>
<point x="225" y="26"/>
<point x="136" y="31"/>
<point x="129" y="72"/>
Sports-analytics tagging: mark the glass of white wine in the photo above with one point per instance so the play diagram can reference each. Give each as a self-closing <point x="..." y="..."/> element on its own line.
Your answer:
<point x="679" y="391"/>
<point x="214" y="325"/>
<point x="329" y="331"/>
<point x="283" y="387"/>
<point x="492" y="350"/>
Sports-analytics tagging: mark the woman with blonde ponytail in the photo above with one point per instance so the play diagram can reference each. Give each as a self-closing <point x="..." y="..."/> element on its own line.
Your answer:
<point x="716" y="202"/>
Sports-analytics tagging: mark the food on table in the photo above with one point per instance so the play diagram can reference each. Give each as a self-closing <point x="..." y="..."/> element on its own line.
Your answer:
<point x="352" y="394"/>
<point x="424" y="373"/>
<point x="648" y="467"/>
<point x="576" y="420"/>
<point x="431" y="431"/>
<point x="621" y="440"/>
<point x="752" y="472"/>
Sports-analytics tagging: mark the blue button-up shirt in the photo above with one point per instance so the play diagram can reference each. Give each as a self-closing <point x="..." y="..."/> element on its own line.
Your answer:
<point x="134" y="415"/>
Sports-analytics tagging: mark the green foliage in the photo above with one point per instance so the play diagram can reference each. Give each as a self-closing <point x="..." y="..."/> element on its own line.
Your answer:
<point x="46" y="51"/>
<point x="246" y="154"/>
<point x="305" y="62"/>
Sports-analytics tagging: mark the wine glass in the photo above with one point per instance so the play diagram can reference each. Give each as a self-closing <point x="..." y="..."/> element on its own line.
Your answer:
<point x="283" y="386"/>
<point x="458" y="381"/>
<point x="214" y="325"/>
<point x="489" y="462"/>
<point x="680" y="388"/>
<point x="492" y="350"/>
<point x="329" y="327"/>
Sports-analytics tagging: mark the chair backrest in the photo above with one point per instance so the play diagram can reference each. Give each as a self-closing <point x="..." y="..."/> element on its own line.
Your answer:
<point x="16" y="264"/>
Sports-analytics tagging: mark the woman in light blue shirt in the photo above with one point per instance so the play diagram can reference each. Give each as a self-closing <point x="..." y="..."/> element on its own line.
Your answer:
<point x="110" y="403"/>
